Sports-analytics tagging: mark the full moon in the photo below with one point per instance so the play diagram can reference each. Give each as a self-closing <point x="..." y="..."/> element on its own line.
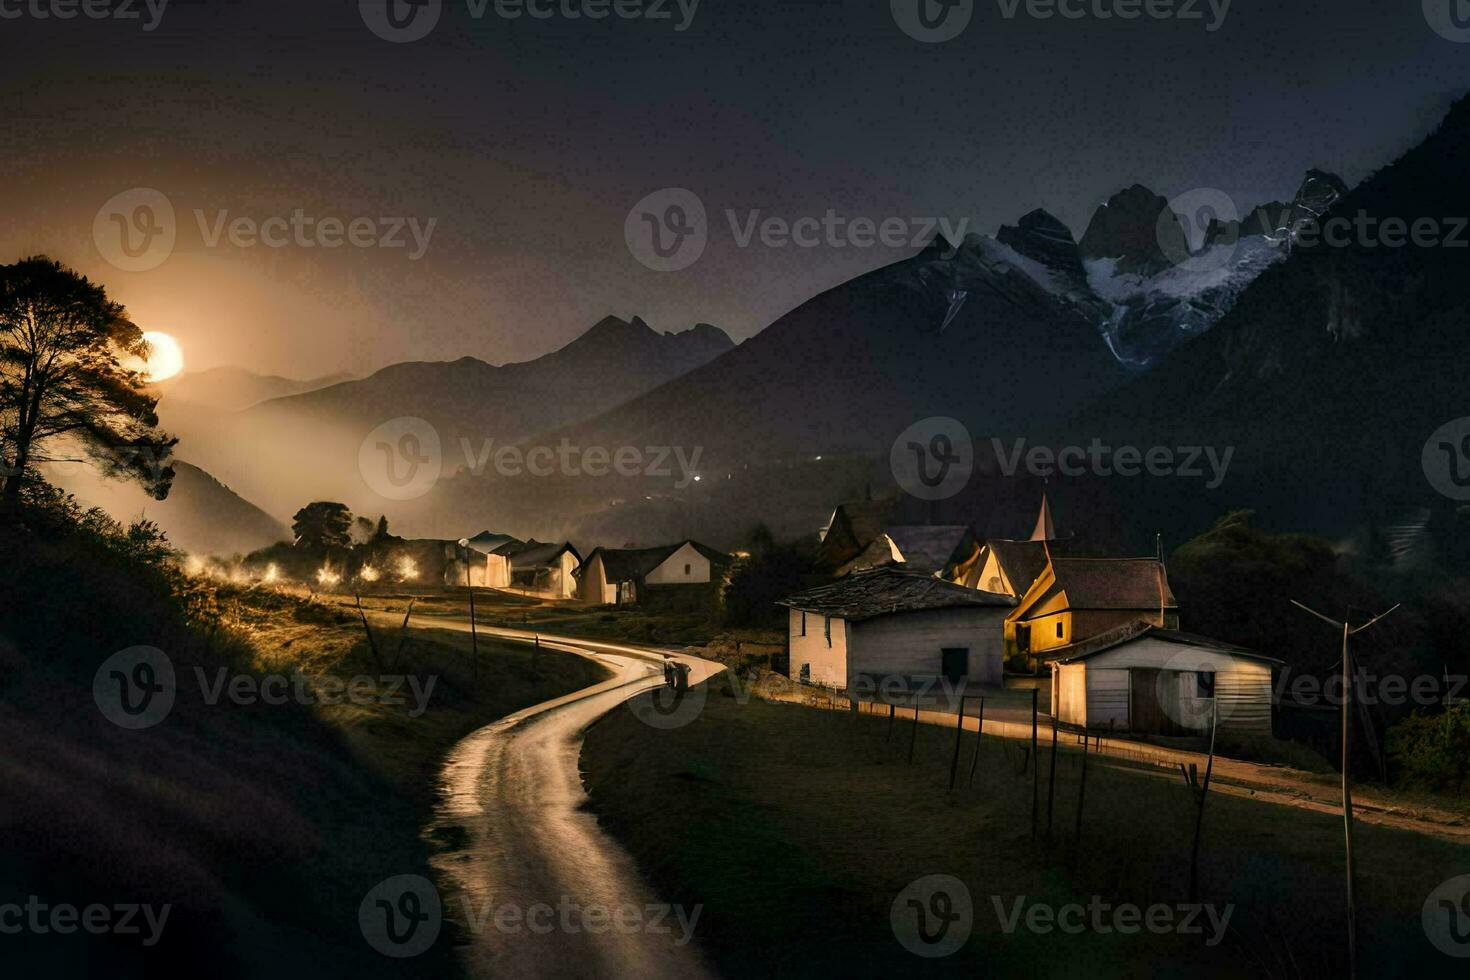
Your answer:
<point x="165" y="359"/>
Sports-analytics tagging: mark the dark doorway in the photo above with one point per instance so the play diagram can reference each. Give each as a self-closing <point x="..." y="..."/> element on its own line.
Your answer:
<point x="1149" y="686"/>
<point x="955" y="663"/>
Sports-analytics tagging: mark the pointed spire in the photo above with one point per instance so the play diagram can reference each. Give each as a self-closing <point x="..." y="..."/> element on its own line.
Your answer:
<point x="1045" y="529"/>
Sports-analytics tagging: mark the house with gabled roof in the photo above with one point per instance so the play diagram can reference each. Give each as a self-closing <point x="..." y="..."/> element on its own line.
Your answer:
<point x="620" y="576"/>
<point x="1010" y="565"/>
<point x="544" y="568"/>
<point x="949" y="552"/>
<point x="482" y="563"/>
<point x="1141" y="678"/>
<point x="889" y="623"/>
<point x="851" y="529"/>
<point x="1075" y="598"/>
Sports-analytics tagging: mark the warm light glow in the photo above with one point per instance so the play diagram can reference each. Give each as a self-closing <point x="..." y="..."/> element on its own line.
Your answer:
<point x="325" y="576"/>
<point x="164" y="360"/>
<point x="408" y="569"/>
<point x="272" y="573"/>
<point x="368" y="573"/>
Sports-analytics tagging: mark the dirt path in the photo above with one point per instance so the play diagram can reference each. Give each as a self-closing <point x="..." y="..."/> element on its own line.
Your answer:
<point x="513" y="804"/>
<point x="1269" y="783"/>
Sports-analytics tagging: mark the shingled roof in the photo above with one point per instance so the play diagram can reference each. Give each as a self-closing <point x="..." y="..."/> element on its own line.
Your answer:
<point x="631" y="564"/>
<point x="881" y="591"/>
<point x="1110" y="583"/>
<point x="536" y="554"/>
<point x="920" y="547"/>
<point x="1022" y="561"/>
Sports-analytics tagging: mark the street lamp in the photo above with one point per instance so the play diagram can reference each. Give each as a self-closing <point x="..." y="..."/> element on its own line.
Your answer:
<point x="464" y="544"/>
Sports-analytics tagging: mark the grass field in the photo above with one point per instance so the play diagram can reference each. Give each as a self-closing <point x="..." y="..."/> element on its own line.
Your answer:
<point x="798" y="828"/>
<point x="699" y="632"/>
<point x="262" y="825"/>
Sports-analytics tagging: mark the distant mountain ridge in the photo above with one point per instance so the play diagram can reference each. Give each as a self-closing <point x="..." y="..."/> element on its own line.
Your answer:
<point x="231" y="389"/>
<point x="288" y="450"/>
<point x="200" y="514"/>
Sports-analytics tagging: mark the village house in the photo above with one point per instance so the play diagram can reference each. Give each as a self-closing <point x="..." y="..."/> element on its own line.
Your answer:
<point x="948" y="552"/>
<point x="889" y="623"/>
<point x="1146" y="680"/>
<point x="1076" y="598"/>
<point x="1009" y="566"/>
<point x="544" y="568"/>
<point x="486" y="558"/>
<point x="850" y="530"/>
<point x="622" y="576"/>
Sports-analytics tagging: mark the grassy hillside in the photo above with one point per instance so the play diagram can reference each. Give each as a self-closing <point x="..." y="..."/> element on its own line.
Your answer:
<point x="797" y="830"/>
<point x="262" y="825"/>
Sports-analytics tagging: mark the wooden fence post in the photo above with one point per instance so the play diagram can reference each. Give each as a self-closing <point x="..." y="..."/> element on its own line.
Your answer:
<point x="889" y="734"/>
<point x="959" y="731"/>
<point x="913" y="734"/>
<point x="1199" y="817"/>
<point x="979" y="736"/>
<point x="1051" y="778"/>
<point x="1081" y="796"/>
<point x="1035" y="784"/>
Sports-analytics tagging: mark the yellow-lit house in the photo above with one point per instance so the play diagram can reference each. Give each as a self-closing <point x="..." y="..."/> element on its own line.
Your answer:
<point x="1076" y="598"/>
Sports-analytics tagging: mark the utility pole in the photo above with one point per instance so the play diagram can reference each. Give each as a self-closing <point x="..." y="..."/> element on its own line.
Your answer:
<point x="474" y="635"/>
<point x="1349" y="678"/>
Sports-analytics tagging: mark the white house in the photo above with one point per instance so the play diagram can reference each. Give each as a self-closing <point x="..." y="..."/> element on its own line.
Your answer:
<point x="487" y="558"/>
<point x="612" y="576"/>
<point x="1144" y="679"/>
<point x="890" y="623"/>
<point x="544" y="568"/>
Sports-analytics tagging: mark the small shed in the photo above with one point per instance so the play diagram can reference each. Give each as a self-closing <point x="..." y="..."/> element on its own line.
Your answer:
<point x="1144" y="679"/>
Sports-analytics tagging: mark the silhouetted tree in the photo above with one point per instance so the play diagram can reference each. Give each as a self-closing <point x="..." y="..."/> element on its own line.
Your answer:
<point x="63" y="380"/>
<point x="321" y="525"/>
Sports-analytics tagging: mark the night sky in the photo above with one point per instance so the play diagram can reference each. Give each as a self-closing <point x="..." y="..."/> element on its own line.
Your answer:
<point x="529" y="140"/>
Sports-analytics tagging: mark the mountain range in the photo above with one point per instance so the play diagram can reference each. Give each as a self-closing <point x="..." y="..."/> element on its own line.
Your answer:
<point x="285" y="451"/>
<point x="1320" y="366"/>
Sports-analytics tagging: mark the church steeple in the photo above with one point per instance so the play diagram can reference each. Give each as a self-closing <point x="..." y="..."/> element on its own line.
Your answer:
<point x="1045" y="529"/>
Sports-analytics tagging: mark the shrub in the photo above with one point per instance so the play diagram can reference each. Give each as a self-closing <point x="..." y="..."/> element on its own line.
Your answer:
<point x="1432" y="751"/>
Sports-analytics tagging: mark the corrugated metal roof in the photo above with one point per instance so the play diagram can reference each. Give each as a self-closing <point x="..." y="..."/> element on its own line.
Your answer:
<point x="1129" y="632"/>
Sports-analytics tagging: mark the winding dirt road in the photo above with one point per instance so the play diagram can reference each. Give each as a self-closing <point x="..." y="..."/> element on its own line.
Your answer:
<point x="539" y="888"/>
